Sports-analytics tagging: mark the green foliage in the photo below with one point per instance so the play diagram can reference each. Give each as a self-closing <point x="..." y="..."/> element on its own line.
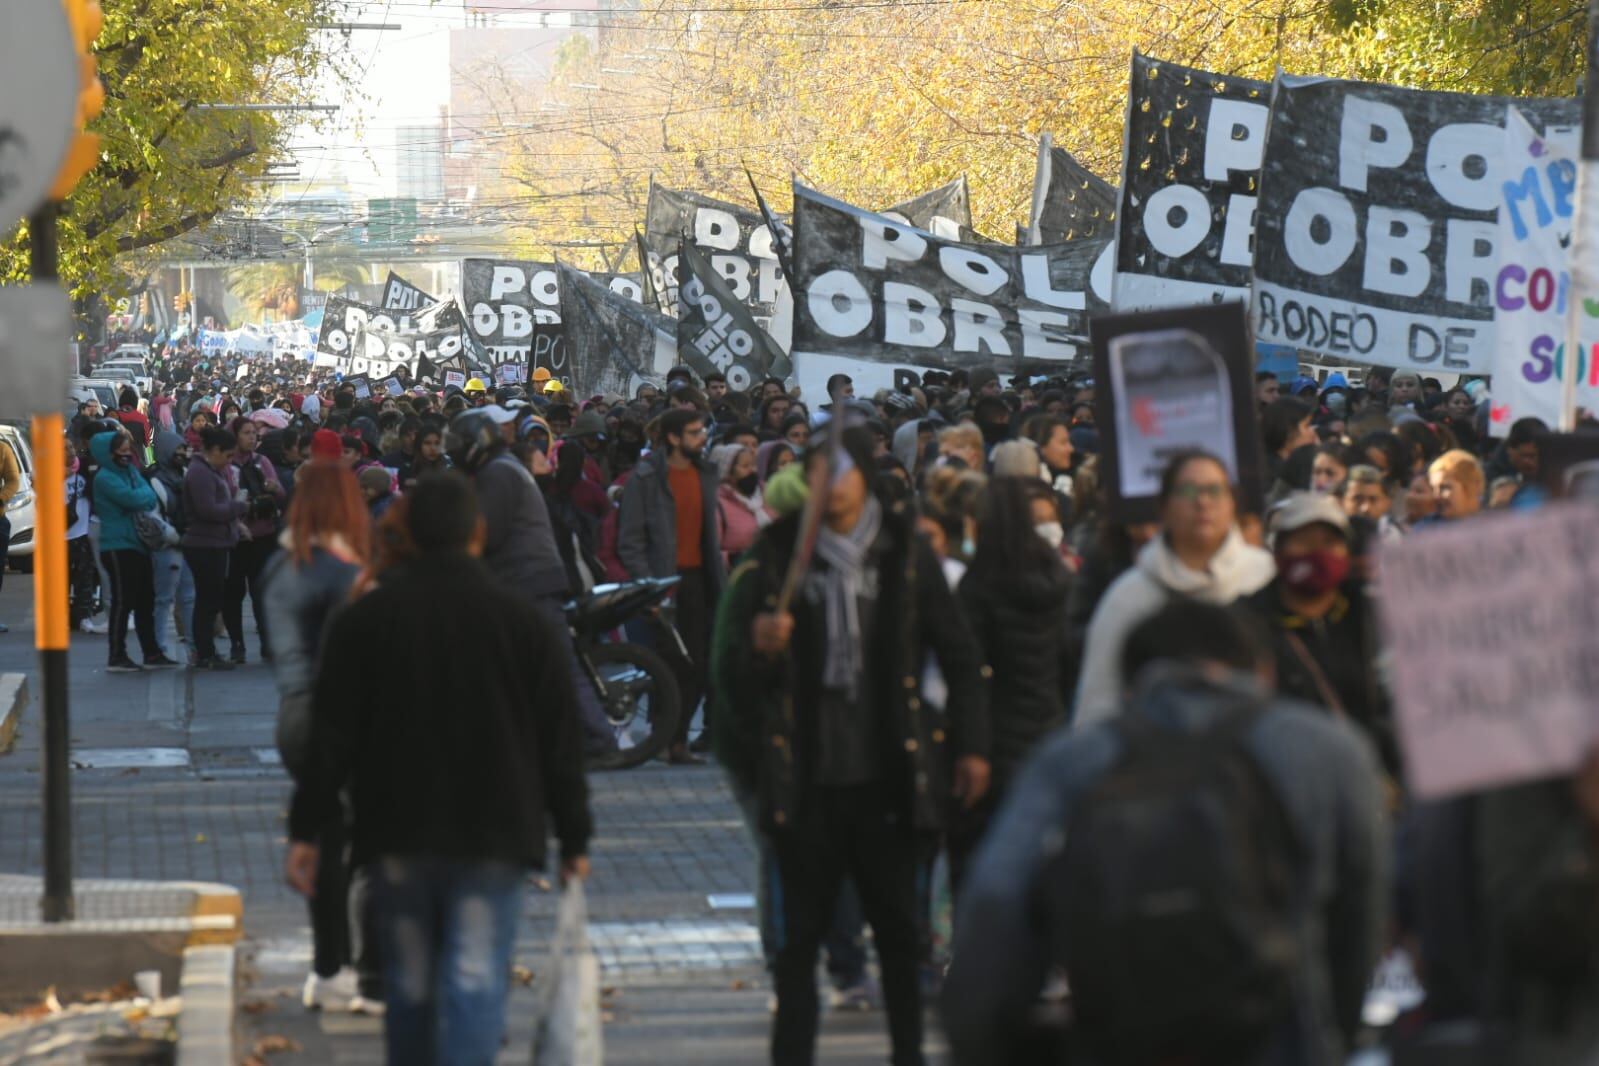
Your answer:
<point x="168" y="166"/>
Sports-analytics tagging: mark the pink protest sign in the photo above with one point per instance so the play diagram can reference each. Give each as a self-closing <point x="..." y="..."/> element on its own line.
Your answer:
<point x="1491" y="631"/>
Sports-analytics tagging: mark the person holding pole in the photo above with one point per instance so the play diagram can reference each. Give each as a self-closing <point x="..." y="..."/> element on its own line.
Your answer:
<point x="818" y="652"/>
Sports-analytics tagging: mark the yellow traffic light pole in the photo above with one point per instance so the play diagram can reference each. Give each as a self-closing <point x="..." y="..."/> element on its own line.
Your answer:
<point x="50" y="477"/>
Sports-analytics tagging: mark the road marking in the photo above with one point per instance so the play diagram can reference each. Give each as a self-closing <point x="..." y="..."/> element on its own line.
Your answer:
<point x="267" y="756"/>
<point x="130" y="759"/>
<point x="731" y="901"/>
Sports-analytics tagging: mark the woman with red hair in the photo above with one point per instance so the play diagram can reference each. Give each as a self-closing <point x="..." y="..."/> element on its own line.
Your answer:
<point x="326" y="544"/>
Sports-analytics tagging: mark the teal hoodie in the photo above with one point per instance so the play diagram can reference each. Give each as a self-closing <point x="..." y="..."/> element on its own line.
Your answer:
<point x="120" y="492"/>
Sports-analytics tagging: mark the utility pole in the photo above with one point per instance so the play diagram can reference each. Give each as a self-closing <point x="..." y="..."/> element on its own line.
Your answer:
<point x="1584" y="221"/>
<point x="50" y="609"/>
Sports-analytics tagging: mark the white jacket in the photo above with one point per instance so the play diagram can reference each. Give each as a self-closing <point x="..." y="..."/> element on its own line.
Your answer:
<point x="1236" y="570"/>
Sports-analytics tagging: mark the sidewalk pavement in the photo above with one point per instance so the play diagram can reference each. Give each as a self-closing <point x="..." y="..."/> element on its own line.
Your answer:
<point x="176" y="778"/>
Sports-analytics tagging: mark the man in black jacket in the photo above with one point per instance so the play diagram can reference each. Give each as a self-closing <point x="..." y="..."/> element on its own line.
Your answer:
<point x="819" y="714"/>
<point x="445" y="705"/>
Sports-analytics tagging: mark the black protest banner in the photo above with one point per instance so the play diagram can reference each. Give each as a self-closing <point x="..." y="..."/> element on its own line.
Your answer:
<point x="1076" y="204"/>
<point x="944" y="212"/>
<point x="342" y="319"/>
<point x="616" y="344"/>
<point x="871" y="294"/>
<point x="737" y="241"/>
<point x="1375" y="238"/>
<point x="715" y="331"/>
<point x="401" y="295"/>
<point x="782" y="239"/>
<point x="1190" y="175"/>
<point x="379" y="352"/>
<point x="1168" y="382"/>
<point x="513" y="310"/>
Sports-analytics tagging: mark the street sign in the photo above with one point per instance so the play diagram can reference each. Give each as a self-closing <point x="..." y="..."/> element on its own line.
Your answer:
<point x="35" y="321"/>
<point x="39" y="84"/>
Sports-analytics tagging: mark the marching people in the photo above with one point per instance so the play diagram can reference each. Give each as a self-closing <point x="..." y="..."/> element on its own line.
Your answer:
<point x="1199" y="554"/>
<point x="667" y="525"/>
<point x="854" y="773"/>
<point x="1280" y="877"/>
<point x="215" y="511"/>
<point x="449" y="812"/>
<point x="264" y="496"/>
<point x="325" y="544"/>
<point x="122" y="499"/>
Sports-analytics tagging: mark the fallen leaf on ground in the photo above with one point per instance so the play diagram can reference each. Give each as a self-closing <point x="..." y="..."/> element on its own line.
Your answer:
<point x="255" y="1006"/>
<point x="522" y="975"/>
<point x="271" y="1045"/>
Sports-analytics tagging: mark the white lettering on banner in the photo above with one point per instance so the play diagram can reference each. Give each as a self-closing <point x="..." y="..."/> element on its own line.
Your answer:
<point x="883" y="243"/>
<point x="1319" y="211"/>
<point x="506" y="279"/>
<point x="978" y="327"/>
<point x="1396" y="251"/>
<point x="1177" y="219"/>
<point x="972" y="270"/>
<point x="1469" y="256"/>
<point x="715" y="228"/>
<point x="1235" y="136"/>
<point x="1459" y="168"/>
<point x="1238" y="231"/>
<point x="1038" y="340"/>
<point x="1371" y="134"/>
<point x="1036" y="283"/>
<point x="911" y="316"/>
<point x="1393" y="338"/>
<point x="840" y="304"/>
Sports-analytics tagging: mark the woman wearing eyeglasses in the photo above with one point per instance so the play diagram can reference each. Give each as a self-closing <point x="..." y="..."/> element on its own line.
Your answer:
<point x="1198" y="555"/>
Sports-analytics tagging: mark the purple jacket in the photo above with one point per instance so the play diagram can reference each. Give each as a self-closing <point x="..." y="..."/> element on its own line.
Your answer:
<point x="208" y="499"/>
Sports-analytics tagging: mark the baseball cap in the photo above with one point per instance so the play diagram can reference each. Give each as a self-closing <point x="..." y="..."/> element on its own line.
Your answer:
<point x="1308" y="509"/>
<point x="497" y="414"/>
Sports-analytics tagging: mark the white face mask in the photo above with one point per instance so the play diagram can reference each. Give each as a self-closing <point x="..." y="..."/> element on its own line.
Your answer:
<point x="1054" y="533"/>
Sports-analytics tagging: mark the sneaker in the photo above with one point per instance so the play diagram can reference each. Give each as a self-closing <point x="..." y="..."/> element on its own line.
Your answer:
<point x="862" y="996"/>
<point x="89" y="625"/>
<point x="236" y="655"/>
<point x="368" y="1005"/>
<point x="215" y="662"/>
<point x="123" y="665"/>
<point x="330" y="993"/>
<point x="160" y="662"/>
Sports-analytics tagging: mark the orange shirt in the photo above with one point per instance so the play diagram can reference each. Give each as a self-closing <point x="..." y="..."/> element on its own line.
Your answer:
<point x="687" y="495"/>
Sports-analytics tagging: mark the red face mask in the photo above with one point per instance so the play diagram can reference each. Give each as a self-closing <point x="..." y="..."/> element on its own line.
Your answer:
<point x="1313" y="573"/>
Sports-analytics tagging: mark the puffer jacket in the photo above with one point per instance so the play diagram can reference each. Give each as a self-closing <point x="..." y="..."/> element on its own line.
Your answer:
<point x="211" y="505"/>
<point x="119" y="494"/>
<point x="1020" y="622"/>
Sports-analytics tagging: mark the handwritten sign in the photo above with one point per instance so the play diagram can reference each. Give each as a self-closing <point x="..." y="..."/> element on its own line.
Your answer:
<point x="1537" y="203"/>
<point x="1493" y="631"/>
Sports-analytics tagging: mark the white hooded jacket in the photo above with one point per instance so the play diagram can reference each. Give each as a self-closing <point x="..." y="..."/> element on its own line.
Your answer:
<point x="1236" y="570"/>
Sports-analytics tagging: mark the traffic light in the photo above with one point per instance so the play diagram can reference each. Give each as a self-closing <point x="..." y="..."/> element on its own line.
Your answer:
<point x="177" y="302"/>
<point x="144" y="304"/>
<point x="84" y="151"/>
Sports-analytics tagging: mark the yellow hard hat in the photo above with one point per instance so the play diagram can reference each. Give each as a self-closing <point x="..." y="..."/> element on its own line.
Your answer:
<point x="475" y="385"/>
<point x="554" y="386"/>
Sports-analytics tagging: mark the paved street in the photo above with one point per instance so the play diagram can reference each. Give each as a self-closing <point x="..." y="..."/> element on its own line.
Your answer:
<point x="176" y="778"/>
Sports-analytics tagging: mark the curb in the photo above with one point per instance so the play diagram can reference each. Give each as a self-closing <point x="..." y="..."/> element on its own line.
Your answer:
<point x="205" y="1024"/>
<point x="13" y="700"/>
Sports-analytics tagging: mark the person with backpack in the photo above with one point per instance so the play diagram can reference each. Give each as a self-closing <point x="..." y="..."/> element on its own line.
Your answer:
<point x="1206" y="871"/>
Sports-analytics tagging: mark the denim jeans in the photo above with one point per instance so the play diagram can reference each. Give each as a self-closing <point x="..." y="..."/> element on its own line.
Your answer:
<point x="448" y="927"/>
<point x="174" y="584"/>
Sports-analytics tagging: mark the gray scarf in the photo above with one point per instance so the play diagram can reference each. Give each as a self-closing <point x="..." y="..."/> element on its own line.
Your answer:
<point x="843" y="583"/>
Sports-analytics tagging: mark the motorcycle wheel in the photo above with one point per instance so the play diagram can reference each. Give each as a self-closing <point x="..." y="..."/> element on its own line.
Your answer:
<point x="640" y="698"/>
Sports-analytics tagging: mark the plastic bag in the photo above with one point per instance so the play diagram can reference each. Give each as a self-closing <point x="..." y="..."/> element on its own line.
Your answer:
<point x="568" y="1031"/>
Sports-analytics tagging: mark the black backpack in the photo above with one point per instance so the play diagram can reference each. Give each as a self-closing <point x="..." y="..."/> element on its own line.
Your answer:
<point x="1172" y="900"/>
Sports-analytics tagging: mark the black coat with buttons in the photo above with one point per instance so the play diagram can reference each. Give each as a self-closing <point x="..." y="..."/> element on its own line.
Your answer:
<point x="764" y="707"/>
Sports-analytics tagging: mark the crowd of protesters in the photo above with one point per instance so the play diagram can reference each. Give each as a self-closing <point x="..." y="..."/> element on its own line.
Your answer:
<point x="977" y="655"/>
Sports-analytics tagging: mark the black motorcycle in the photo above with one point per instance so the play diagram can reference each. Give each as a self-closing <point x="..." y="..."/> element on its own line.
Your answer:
<point x="636" y="685"/>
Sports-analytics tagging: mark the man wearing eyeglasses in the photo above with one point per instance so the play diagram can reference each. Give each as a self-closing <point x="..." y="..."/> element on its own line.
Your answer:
<point x="1199" y="555"/>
